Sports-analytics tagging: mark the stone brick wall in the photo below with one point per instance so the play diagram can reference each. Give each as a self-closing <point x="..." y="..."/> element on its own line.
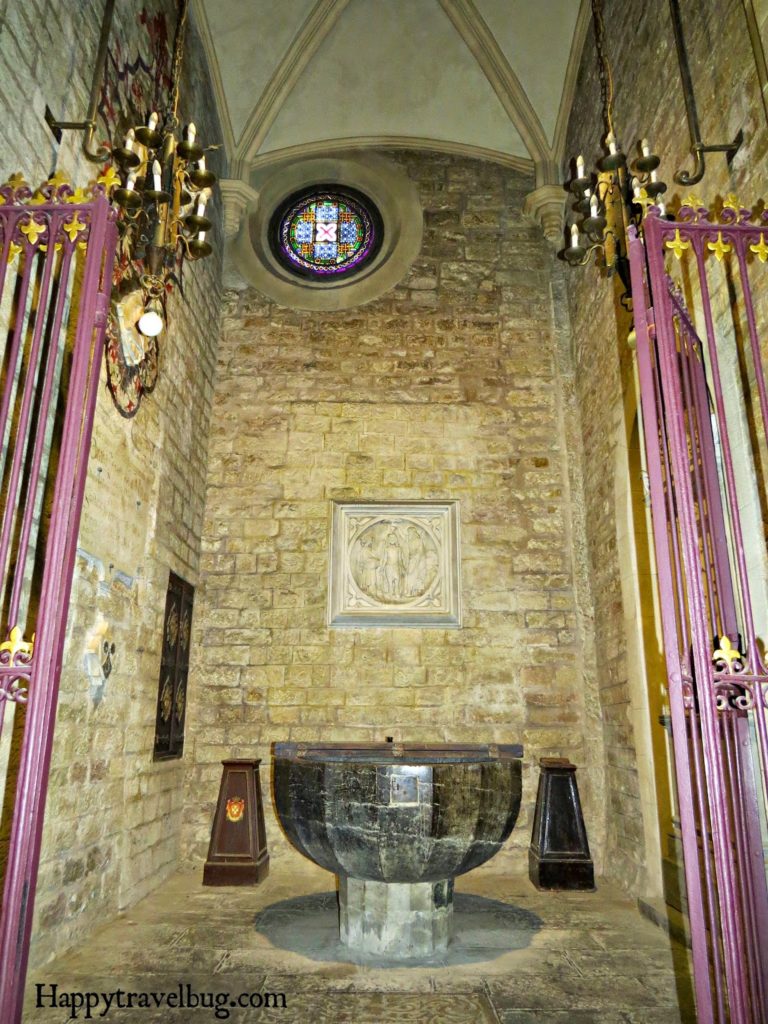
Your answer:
<point x="648" y="103"/>
<point x="451" y="385"/>
<point x="113" y="816"/>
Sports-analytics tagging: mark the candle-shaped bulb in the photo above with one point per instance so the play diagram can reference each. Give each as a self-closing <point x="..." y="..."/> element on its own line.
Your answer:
<point x="654" y="175"/>
<point x="574" y="235"/>
<point x="645" y="147"/>
<point x="157" y="172"/>
<point x="579" y="166"/>
<point x="201" y="162"/>
<point x="636" y="188"/>
<point x="129" y="139"/>
<point x="593" y="205"/>
<point x="611" y="140"/>
<point x="191" y="133"/>
<point x="203" y="199"/>
<point x="131" y="182"/>
<point x="152" y="122"/>
<point x="201" y="236"/>
<point x="662" y="209"/>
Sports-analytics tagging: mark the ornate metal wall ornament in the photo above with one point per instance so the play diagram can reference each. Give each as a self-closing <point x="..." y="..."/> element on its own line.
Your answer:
<point x="174" y="669"/>
<point x="394" y="564"/>
<point x="132" y="358"/>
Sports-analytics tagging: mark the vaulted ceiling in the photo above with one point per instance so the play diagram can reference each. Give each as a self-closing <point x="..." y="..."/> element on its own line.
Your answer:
<point x="489" y="77"/>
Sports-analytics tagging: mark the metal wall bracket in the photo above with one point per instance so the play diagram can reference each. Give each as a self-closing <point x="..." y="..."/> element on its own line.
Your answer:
<point x="89" y="124"/>
<point x="698" y="149"/>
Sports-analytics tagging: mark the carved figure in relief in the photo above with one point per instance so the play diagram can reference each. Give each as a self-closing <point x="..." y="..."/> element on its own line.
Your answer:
<point x="417" y="565"/>
<point x="394" y="561"/>
<point x="393" y="565"/>
<point x="366" y="564"/>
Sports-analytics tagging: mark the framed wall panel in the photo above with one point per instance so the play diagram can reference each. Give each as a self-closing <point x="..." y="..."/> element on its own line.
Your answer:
<point x="174" y="669"/>
<point x="394" y="564"/>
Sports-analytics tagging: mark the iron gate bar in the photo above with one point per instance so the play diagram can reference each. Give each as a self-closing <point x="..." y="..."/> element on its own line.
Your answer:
<point x="710" y="708"/>
<point x="671" y="597"/>
<point x="733" y="726"/>
<point x="719" y="823"/>
<point x="43" y="668"/>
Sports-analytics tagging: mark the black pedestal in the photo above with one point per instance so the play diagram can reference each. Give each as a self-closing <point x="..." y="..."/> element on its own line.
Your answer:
<point x="558" y="857"/>
<point x="238" y="851"/>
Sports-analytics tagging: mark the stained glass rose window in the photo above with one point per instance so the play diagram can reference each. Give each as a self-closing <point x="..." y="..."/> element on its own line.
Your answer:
<point x="326" y="232"/>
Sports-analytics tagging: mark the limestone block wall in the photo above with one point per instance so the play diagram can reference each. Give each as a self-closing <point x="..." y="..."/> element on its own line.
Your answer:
<point x="452" y="385"/>
<point x="113" y="816"/>
<point x="648" y="103"/>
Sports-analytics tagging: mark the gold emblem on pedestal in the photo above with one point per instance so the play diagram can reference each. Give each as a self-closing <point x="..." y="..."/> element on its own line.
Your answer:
<point x="235" y="808"/>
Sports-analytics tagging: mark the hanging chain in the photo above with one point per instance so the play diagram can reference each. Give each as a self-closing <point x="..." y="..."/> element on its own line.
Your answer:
<point x="606" y="76"/>
<point x="178" y="53"/>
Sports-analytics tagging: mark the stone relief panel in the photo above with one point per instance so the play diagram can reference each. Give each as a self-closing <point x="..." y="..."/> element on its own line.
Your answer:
<point x="394" y="564"/>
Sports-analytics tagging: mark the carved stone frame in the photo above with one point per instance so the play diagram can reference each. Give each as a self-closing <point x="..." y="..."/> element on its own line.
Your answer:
<point x="402" y="548"/>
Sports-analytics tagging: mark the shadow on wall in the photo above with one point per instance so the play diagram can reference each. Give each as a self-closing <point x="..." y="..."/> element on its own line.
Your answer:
<point x="483" y="930"/>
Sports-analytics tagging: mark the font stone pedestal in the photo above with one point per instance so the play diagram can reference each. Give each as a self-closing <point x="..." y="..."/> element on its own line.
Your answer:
<point x="396" y="920"/>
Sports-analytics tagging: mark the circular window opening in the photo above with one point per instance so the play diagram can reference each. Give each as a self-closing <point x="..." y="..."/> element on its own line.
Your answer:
<point x="326" y="232"/>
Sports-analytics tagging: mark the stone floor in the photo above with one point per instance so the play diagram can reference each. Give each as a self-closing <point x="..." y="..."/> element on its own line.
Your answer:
<point x="518" y="957"/>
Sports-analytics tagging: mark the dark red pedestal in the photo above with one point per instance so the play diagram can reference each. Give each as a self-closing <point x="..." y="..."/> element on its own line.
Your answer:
<point x="238" y="851"/>
<point x="558" y="857"/>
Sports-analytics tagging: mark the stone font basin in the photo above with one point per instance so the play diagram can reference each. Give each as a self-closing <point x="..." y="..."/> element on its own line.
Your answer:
<point x="397" y="823"/>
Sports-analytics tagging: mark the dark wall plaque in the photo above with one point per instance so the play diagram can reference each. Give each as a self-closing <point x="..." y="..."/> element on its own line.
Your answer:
<point x="174" y="669"/>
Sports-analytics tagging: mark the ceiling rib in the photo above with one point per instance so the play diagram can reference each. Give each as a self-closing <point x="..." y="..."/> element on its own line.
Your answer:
<point x="222" y="107"/>
<point x="275" y="156"/>
<point x="481" y="42"/>
<point x="569" y="85"/>
<point x="304" y="46"/>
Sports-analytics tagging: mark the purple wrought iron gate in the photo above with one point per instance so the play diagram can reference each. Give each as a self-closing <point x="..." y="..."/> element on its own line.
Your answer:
<point x="56" y="257"/>
<point x="701" y="380"/>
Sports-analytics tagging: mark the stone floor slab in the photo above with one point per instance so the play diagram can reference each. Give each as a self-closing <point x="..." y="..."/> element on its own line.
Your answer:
<point x="519" y="956"/>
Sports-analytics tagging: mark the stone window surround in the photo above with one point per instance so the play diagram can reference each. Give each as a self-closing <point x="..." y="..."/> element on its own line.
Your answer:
<point x="379" y="178"/>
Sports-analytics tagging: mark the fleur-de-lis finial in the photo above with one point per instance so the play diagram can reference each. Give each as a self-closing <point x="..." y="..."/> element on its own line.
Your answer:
<point x="58" y="179"/>
<point x="78" y="196"/>
<point x="719" y="247"/>
<point x="33" y="229"/>
<point x="760" y="250"/>
<point x="727" y="653"/>
<point x="644" y="201"/>
<point x="677" y="245"/>
<point x="74" y="227"/>
<point x="16" y="644"/>
<point x="109" y="178"/>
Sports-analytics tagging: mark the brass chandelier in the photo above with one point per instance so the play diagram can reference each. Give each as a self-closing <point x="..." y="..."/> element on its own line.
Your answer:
<point x="164" y="189"/>
<point x="162" y="185"/>
<point x="614" y="196"/>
